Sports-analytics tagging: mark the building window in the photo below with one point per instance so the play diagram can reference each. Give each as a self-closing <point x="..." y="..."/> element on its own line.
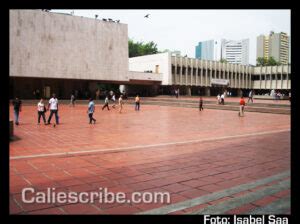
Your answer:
<point x="263" y="77"/>
<point x="289" y="76"/>
<point x="273" y="77"/>
<point x="189" y="70"/>
<point x="255" y="77"/>
<point x="268" y="77"/>
<point x="178" y="70"/>
<point x="173" y="69"/>
<point x="194" y="71"/>
<point x="284" y="76"/>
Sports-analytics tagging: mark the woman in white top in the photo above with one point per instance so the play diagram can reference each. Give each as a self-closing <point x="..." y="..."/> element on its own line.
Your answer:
<point x="41" y="111"/>
<point x="120" y="103"/>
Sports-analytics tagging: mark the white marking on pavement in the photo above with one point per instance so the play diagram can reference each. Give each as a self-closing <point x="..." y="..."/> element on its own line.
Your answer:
<point x="146" y="146"/>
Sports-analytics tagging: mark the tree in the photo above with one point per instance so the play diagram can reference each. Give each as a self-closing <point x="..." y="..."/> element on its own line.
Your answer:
<point x="141" y="48"/>
<point x="272" y="61"/>
<point x="261" y="61"/>
<point x="223" y="60"/>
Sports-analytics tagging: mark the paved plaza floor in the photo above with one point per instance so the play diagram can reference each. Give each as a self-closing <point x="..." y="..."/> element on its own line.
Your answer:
<point x="210" y="161"/>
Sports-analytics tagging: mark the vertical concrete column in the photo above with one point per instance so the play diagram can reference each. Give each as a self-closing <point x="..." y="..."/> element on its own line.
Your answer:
<point x="207" y="91"/>
<point x="188" y="90"/>
<point x="197" y="66"/>
<point x="201" y="73"/>
<point x="239" y="92"/>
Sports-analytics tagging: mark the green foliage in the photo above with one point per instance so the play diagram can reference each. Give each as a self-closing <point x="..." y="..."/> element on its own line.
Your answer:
<point x="141" y="48"/>
<point x="260" y="61"/>
<point x="223" y="60"/>
<point x="272" y="61"/>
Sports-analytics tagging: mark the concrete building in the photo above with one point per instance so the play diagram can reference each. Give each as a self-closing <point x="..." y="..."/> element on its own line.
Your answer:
<point x="276" y="45"/>
<point x="262" y="49"/>
<point x="60" y="53"/>
<point x="235" y="51"/>
<point x="207" y="50"/>
<point x="194" y="76"/>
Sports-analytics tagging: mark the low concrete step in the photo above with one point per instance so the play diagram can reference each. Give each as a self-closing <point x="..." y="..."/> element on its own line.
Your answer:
<point x="218" y="107"/>
<point x="214" y="102"/>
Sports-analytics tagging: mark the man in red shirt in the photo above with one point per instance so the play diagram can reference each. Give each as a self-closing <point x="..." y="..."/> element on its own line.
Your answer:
<point x="242" y="105"/>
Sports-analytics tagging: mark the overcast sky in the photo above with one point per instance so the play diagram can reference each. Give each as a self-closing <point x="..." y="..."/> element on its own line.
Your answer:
<point x="183" y="29"/>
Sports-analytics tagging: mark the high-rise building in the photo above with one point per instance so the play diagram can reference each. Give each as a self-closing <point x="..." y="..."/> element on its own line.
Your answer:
<point x="207" y="50"/>
<point x="173" y="53"/>
<point x="276" y="45"/>
<point x="235" y="51"/>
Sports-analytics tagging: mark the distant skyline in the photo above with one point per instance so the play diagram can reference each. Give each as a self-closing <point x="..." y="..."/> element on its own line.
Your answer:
<point x="183" y="29"/>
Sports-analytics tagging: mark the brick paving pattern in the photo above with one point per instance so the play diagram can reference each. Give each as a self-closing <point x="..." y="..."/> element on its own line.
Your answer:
<point x="188" y="153"/>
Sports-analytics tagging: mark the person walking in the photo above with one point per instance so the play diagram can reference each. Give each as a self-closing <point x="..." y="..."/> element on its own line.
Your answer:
<point x="113" y="99"/>
<point x="120" y="103"/>
<point x="222" y="99"/>
<point x="219" y="99"/>
<point x="72" y="103"/>
<point x="41" y="111"/>
<point x="242" y="107"/>
<point x="91" y="110"/>
<point x="53" y="106"/>
<point x="105" y="103"/>
<point x="250" y="97"/>
<point x="17" y="104"/>
<point x="201" y="103"/>
<point x="137" y="102"/>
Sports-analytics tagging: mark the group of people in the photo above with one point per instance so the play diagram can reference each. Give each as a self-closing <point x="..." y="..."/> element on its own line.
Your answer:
<point x="53" y="107"/>
<point x="41" y="109"/>
<point x="221" y="98"/>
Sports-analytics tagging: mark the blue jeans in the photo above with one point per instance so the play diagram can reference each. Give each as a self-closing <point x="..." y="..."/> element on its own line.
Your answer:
<point x="137" y="106"/>
<point x="16" y="113"/>
<point x="51" y="114"/>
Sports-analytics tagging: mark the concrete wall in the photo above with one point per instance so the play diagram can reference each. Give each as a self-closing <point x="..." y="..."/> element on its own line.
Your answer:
<point x="51" y="45"/>
<point x="149" y="63"/>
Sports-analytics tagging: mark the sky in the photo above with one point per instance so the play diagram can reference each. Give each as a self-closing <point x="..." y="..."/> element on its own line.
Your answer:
<point x="183" y="29"/>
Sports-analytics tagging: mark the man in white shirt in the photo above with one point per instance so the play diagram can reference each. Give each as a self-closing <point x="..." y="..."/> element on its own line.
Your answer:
<point x="222" y="99"/>
<point x="105" y="103"/>
<point x="53" y="106"/>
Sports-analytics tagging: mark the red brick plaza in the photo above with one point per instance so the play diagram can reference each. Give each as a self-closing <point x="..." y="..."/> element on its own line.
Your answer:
<point x="210" y="161"/>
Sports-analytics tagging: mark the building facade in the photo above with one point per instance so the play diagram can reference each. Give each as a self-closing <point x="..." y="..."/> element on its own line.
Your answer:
<point x="235" y="51"/>
<point x="207" y="50"/>
<point x="211" y="77"/>
<point x="276" y="45"/>
<point x="56" y="53"/>
<point x="53" y="52"/>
